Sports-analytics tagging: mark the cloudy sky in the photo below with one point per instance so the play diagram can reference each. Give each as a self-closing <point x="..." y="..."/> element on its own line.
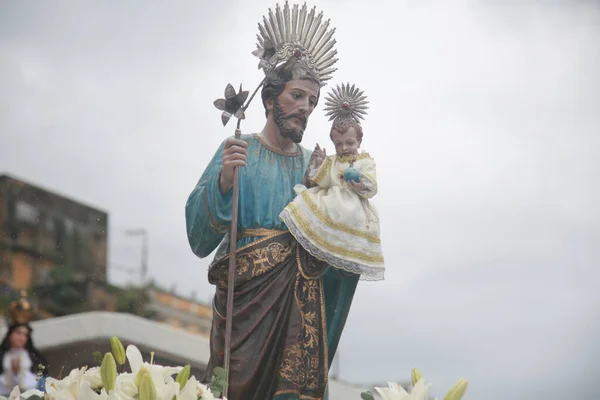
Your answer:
<point x="484" y="121"/>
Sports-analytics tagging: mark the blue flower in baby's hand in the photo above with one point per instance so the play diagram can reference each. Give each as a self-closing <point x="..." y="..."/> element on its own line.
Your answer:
<point x="351" y="174"/>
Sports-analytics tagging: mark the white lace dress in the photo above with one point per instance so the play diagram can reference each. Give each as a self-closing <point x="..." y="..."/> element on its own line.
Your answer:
<point x="25" y="379"/>
<point x="336" y="224"/>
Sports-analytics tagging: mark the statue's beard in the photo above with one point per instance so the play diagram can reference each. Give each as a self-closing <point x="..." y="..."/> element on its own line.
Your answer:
<point x="281" y="121"/>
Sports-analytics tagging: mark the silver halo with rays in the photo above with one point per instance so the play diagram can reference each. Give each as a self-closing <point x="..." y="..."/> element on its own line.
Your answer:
<point x="296" y="33"/>
<point x="346" y="101"/>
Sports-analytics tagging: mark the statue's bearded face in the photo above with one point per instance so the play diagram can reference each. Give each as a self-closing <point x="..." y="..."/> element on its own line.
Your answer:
<point x="293" y="107"/>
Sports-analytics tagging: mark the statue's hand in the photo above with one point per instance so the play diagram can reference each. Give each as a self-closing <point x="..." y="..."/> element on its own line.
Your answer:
<point x="234" y="155"/>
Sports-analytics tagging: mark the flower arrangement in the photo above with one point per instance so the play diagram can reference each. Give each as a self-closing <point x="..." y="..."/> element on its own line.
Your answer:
<point x="143" y="381"/>
<point x="420" y="390"/>
<point x="149" y="381"/>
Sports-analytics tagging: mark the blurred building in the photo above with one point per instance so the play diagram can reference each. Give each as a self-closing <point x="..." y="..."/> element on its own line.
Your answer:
<point x="56" y="248"/>
<point x="41" y="231"/>
<point x="180" y="312"/>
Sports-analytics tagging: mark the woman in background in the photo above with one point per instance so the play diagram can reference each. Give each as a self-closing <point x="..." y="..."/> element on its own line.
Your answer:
<point x="20" y="361"/>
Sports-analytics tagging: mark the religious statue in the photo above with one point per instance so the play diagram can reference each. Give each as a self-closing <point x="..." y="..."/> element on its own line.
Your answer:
<point x="287" y="308"/>
<point x="20" y="361"/>
<point x="334" y="219"/>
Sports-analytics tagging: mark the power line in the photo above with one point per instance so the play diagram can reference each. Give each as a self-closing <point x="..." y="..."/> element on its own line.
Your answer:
<point x="123" y="268"/>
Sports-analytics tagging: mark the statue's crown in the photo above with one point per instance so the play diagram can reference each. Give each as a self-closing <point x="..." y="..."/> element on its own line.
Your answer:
<point x="20" y="311"/>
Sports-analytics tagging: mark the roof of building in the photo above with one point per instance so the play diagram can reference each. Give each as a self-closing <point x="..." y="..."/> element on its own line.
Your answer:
<point x="79" y="203"/>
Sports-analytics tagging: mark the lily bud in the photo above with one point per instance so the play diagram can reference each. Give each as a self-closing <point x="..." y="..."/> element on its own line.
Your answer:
<point x="146" y="388"/>
<point x="118" y="350"/>
<point x="415" y="376"/>
<point x="457" y="391"/>
<point x="138" y="378"/>
<point x="108" y="372"/>
<point x="183" y="376"/>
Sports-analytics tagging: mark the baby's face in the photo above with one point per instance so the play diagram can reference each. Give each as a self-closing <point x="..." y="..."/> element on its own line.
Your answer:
<point x="347" y="143"/>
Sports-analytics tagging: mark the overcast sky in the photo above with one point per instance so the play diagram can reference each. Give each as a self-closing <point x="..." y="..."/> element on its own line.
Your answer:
<point x="484" y="121"/>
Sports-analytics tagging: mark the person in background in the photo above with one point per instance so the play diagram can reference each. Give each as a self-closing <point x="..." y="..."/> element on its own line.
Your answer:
<point x="20" y="361"/>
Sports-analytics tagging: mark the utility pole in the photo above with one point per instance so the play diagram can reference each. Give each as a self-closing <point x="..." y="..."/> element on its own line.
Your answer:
<point x="143" y="232"/>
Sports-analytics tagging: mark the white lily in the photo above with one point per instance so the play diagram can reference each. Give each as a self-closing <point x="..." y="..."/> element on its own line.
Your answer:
<point x="162" y="377"/>
<point x="393" y="392"/>
<point x="396" y="392"/>
<point x="204" y="393"/>
<point x="66" y="388"/>
<point x="421" y="390"/>
<point x="169" y="390"/>
<point x="86" y="392"/>
<point x="136" y="362"/>
<point x="93" y="377"/>
<point x="189" y="391"/>
<point x="31" y="392"/>
<point x="125" y="388"/>
<point x="14" y="394"/>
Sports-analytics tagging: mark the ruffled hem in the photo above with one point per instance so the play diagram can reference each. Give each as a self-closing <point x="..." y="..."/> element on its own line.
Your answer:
<point x="366" y="273"/>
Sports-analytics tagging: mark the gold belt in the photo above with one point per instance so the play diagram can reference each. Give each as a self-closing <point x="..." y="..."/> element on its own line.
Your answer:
<point x="258" y="232"/>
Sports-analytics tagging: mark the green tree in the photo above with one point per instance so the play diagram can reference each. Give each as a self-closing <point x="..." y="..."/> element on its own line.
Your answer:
<point x="65" y="292"/>
<point x="134" y="300"/>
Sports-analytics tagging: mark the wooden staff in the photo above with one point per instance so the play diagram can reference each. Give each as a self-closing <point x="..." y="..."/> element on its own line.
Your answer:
<point x="231" y="272"/>
<point x="232" y="251"/>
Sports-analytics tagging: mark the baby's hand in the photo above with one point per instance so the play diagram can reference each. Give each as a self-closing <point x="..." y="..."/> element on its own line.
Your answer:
<point x="319" y="155"/>
<point x="357" y="186"/>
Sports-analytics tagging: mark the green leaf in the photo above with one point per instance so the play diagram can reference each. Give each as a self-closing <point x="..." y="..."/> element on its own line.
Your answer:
<point x="367" y="396"/>
<point x="219" y="372"/>
<point x="183" y="376"/>
<point x="98" y="356"/>
<point x="218" y="382"/>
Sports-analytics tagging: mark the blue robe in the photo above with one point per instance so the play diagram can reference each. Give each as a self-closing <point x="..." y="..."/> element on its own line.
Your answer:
<point x="266" y="188"/>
